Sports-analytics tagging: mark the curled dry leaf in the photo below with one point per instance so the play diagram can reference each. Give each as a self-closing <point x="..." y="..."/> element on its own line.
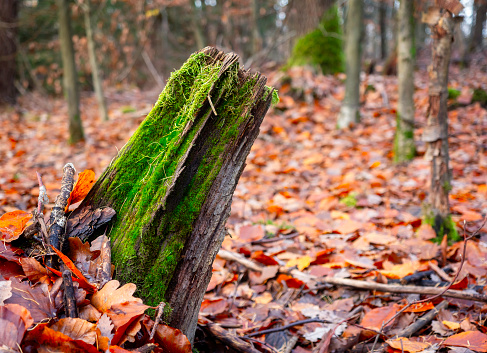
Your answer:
<point x="12" y="224"/>
<point x="172" y="340"/>
<point x="406" y="345"/>
<point x="77" y="329"/>
<point x="14" y="321"/>
<point x="33" y="269"/>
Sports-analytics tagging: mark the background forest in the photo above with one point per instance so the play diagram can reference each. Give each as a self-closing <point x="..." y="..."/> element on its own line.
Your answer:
<point x="368" y="175"/>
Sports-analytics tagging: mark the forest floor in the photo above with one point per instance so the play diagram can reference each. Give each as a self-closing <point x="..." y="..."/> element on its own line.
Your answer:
<point x="312" y="202"/>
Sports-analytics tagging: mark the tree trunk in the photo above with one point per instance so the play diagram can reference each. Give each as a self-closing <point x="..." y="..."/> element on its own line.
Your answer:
<point x="435" y="134"/>
<point x="477" y="37"/>
<point x="383" y="32"/>
<point x="70" y="79"/>
<point x="349" y="112"/>
<point x="8" y="50"/>
<point x="404" y="148"/>
<point x="95" y="74"/>
<point x="196" y="25"/>
<point x="172" y="183"/>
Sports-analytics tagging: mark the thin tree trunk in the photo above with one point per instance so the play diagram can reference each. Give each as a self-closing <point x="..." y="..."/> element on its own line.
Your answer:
<point x="349" y="112"/>
<point x="8" y="50"/>
<point x="256" y="40"/>
<point x="435" y="134"/>
<point x="404" y="148"/>
<point x="95" y="73"/>
<point x="383" y="32"/>
<point x="196" y="26"/>
<point x="172" y="184"/>
<point x="70" y="79"/>
<point x="477" y="37"/>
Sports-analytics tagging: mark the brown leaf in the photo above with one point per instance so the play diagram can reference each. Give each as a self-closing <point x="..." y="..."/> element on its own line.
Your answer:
<point x="77" y="329"/>
<point x="474" y="340"/>
<point x="109" y="295"/>
<point x="172" y="340"/>
<point x="14" y="321"/>
<point x="375" y="318"/>
<point x="85" y="181"/>
<point x="33" y="269"/>
<point x="406" y="345"/>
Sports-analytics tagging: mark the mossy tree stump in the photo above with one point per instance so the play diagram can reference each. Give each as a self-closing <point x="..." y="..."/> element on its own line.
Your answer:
<point x="172" y="183"/>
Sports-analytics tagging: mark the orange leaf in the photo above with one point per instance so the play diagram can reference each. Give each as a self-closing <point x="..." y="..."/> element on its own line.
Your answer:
<point x="86" y="179"/>
<point x="85" y="284"/>
<point x="12" y="224"/>
<point x="259" y="256"/>
<point x="473" y="340"/>
<point x="406" y="345"/>
<point x="172" y="340"/>
<point x="420" y="307"/>
<point x="376" y="317"/>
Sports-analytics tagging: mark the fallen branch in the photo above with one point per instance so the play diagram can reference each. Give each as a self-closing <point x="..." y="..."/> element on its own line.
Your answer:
<point x="406" y="289"/>
<point x="230" y="340"/>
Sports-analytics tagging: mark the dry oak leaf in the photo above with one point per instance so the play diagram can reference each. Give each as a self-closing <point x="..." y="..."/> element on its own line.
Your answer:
<point x="110" y="295"/>
<point x="12" y="224"/>
<point x="50" y="340"/>
<point x="123" y="313"/>
<point x="474" y="340"/>
<point x="77" y="329"/>
<point x="406" y="345"/>
<point x="14" y="321"/>
<point x="89" y="313"/>
<point x="85" y="181"/>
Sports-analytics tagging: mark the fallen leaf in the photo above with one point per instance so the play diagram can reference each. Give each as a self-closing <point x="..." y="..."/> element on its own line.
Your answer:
<point x="12" y="224"/>
<point x="406" y="345"/>
<point x="77" y="329"/>
<point x="83" y="185"/>
<point x="474" y="340"/>
<point x="109" y="295"/>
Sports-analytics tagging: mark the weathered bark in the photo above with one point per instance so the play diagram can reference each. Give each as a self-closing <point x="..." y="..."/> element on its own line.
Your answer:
<point x="435" y="133"/>
<point x="70" y="78"/>
<point x="404" y="148"/>
<point x="383" y="32"/>
<point x="8" y="50"/>
<point x="172" y="183"/>
<point x="476" y="39"/>
<point x="349" y="112"/>
<point x="95" y="72"/>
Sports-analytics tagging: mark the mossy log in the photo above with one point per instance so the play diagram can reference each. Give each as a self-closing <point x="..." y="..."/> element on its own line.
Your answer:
<point x="172" y="183"/>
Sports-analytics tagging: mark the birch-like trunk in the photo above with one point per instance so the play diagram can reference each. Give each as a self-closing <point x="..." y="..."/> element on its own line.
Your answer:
<point x="404" y="148"/>
<point x="95" y="72"/>
<point x="349" y="112"/>
<point x="70" y="77"/>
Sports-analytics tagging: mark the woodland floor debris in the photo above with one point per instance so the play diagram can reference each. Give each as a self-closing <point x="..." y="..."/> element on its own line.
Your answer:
<point x="303" y="174"/>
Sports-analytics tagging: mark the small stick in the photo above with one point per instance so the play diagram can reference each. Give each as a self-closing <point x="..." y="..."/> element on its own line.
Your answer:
<point x="440" y="272"/>
<point x="69" y="298"/>
<point x="158" y="318"/>
<point x="211" y="103"/>
<point x="230" y="340"/>
<point x="282" y="328"/>
<point x="272" y="240"/>
<point x="423" y="320"/>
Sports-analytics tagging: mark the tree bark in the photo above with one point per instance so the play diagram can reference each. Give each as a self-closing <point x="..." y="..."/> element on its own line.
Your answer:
<point x="383" y="32"/>
<point x="477" y="37"/>
<point x="172" y="183"/>
<point x="70" y="78"/>
<point x="95" y="72"/>
<point x="349" y="112"/>
<point x="435" y="133"/>
<point x="404" y="148"/>
<point x="8" y="50"/>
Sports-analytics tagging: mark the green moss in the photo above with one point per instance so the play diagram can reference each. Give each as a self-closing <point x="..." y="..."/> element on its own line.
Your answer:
<point x="441" y="226"/>
<point x="127" y="109"/>
<point x="350" y="200"/>
<point x="479" y="95"/>
<point x="404" y="147"/>
<point x="275" y="97"/>
<point x="321" y="47"/>
<point x="453" y="93"/>
<point x="144" y="173"/>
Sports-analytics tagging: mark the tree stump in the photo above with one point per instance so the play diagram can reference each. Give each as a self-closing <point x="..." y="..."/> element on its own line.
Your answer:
<point x="172" y="183"/>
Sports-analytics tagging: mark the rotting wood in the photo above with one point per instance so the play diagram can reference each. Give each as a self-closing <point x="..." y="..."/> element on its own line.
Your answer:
<point x="171" y="186"/>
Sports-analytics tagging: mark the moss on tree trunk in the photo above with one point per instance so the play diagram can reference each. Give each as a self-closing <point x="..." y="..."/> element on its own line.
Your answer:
<point x="172" y="183"/>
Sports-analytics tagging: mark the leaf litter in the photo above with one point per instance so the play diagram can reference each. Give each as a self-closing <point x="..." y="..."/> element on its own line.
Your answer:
<point x="312" y="202"/>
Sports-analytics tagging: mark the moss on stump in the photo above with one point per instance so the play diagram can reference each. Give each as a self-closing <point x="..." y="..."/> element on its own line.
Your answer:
<point x="172" y="183"/>
<point x="321" y="48"/>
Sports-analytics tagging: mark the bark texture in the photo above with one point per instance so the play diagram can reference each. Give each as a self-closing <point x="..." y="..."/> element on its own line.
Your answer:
<point x="349" y="112"/>
<point x="476" y="40"/>
<point x="435" y="133"/>
<point x="95" y="72"/>
<point x="70" y="77"/>
<point x="172" y="183"/>
<point x="8" y="50"/>
<point x="404" y="148"/>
